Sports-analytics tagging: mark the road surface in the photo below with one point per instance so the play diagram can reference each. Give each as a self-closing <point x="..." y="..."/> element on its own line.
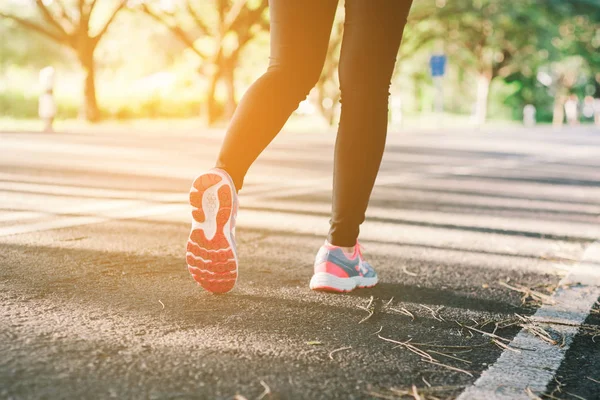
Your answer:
<point x="485" y="243"/>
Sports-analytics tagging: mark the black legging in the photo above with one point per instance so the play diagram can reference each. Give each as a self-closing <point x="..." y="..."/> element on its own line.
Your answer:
<point x="300" y="31"/>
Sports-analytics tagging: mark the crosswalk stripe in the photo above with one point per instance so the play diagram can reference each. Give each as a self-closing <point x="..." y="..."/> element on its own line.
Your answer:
<point x="514" y="373"/>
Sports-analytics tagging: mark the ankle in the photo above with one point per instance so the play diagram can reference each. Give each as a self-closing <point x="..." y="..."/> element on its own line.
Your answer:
<point x="348" y="251"/>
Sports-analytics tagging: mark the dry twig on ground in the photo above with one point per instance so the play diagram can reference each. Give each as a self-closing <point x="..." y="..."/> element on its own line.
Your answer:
<point x="529" y="295"/>
<point x="425" y="356"/>
<point x="434" y="313"/>
<point x="504" y="347"/>
<point x="536" y="330"/>
<point x="381" y="396"/>
<point x="532" y="395"/>
<point x="404" y="311"/>
<point x="332" y="352"/>
<point x="484" y="333"/>
<point x="592" y="379"/>
<point x="266" y="392"/>
<point x="369" y="309"/>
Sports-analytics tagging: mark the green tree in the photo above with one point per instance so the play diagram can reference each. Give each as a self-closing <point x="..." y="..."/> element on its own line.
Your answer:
<point x="505" y="39"/>
<point x="25" y="48"/>
<point x="575" y="49"/>
<point x="217" y="32"/>
<point x="490" y="38"/>
<point x="571" y="44"/>
<point x="70" y="24"/>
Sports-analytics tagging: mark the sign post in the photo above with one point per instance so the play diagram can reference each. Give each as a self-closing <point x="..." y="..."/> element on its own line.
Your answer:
<point x="437" y="65"/>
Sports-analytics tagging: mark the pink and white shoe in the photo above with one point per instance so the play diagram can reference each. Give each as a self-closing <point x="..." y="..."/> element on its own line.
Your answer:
<point x="211" y="252"/>
<point x="337" y="272"/>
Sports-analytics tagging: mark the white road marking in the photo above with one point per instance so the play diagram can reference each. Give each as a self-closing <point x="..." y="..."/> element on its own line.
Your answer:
<point x="100" y="193"/>
<point x="513" y="373"/>
<point x="133" y="210"/>
<point x="389" y="238"/>
<point x="20" y="215"/>
<point x="285" y="187"/>
<point x="419" y="217"/>
<point x="63" y="206"/>
<point x="299" y="187"/>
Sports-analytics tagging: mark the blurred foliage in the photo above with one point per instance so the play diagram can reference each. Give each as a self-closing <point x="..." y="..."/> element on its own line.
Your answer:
<point x="511" y="41"/>
<point x="72" y="24"/>
<point x="569" y="50"/>
<point x="217" y="32"/>
<point x="26" y="48"/>
<point x="181" y="58"/>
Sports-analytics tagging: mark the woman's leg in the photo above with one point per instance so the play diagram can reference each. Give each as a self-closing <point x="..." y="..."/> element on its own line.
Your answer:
<point x="372" y="34"/>
<point x="300" y="33"/>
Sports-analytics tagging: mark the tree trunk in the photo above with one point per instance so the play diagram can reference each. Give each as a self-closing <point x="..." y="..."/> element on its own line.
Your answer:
<point x="483" y="89"/>
<point x="229" y="78"/>
<point x="213" y="109"/>
<point x="224" y="69"/>
<point x="89" y="108"/>
<point x="558" y="113"/>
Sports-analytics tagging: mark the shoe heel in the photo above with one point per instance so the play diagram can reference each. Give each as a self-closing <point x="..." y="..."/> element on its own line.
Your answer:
<point x="331" y="283"/>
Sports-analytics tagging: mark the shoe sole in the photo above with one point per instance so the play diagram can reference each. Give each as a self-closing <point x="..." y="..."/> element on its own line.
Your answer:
<point x="211" y="256"/>
<point x="326" y="282"/>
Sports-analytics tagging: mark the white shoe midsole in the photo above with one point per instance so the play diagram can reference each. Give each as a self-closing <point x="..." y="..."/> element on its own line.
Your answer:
<point x="326" y="280"/>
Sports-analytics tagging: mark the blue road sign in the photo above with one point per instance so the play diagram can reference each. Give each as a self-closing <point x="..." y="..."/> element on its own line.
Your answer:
<point x="437" y="63"/>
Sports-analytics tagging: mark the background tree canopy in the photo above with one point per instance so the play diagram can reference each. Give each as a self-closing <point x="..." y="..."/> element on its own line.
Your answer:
<point x="182" y="58"/>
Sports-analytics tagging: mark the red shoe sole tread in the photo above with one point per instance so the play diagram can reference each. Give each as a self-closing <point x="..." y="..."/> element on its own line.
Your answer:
<point x="212" y="261"/>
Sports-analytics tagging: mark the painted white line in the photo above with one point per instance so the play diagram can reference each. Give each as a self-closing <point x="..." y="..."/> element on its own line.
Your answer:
<point x="60" y="190"/>
<point x="58" y="206"/>
<point x="20" y="215"/>
<point x="391" y="239"/>
<point x="48" y="225"/>
<point x="284" y="187"/>
<point x="291" y="188"/>
<point x="136" y="210"/>
<point x="501" y="223"/>
<point x="535" y="366"/>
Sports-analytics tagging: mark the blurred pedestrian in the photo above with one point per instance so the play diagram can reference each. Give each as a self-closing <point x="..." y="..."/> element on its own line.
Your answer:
<point x="46" y="103"/>
<point x="587" y="111"/>
<point x="597" y="111"/>
<point x="529" y="112"/>
<point x="571" y="110"/>
<point x="300" y="33"/>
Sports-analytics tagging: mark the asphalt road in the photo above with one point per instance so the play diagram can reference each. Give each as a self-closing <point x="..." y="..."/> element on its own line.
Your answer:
<point x="467" y="230"/>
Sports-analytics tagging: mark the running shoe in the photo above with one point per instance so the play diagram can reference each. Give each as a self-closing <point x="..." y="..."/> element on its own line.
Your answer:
<point x="211" y="253"/>
<point x="336" y="272"/>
